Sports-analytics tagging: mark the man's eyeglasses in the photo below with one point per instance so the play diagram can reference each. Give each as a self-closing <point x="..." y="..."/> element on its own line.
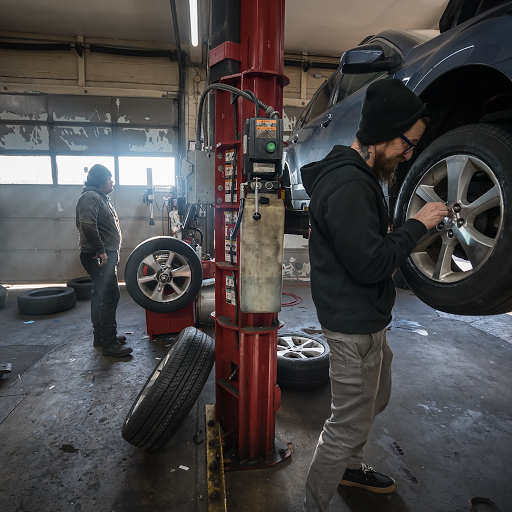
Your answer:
<point x="411" y="145"/>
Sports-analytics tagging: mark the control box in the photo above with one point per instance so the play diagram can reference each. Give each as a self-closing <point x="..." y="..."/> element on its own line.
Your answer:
<point x="199" y="172"/>
<point x="263" y="147"/>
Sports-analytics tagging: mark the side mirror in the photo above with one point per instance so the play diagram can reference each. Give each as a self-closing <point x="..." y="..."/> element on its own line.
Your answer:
<point x="368" y="58"/>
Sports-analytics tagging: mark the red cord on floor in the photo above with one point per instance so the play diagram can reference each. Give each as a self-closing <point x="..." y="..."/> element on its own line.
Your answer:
<point x="297" y="300"/>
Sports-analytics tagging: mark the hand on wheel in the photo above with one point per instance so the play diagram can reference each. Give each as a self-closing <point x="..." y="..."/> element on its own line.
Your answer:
<point x="432" y="214"/>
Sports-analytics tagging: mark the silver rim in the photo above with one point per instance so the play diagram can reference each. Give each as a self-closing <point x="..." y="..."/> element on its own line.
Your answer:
<point x="150" y="383"/>
<point x="462" y="243"/>
<point x="298" y="347"/>
<point x="164" y="276"/>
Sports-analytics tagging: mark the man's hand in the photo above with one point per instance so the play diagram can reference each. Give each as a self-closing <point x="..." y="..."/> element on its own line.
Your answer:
<point x="432" y="214"/>
<point x="103" y="257"/>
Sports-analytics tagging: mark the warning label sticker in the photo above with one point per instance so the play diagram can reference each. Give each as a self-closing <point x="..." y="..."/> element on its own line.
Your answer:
<point x="266" y="128"/>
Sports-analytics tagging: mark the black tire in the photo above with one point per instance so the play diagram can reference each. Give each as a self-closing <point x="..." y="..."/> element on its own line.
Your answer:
<point x="82" y="287"/>
<point x="3" y="296"/>
<point x="46" y="301"/>
<point x="184" y="255"/>
<point x="486" y="288"/>
<point x="171" y="391"/>
<point x="298" y="373"/>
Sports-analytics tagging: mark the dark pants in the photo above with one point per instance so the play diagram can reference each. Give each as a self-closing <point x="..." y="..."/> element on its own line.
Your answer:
<point x="105" y="295"/>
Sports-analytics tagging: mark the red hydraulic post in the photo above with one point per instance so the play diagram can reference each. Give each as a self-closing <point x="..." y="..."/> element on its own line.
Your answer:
<point x="247" y="394"/>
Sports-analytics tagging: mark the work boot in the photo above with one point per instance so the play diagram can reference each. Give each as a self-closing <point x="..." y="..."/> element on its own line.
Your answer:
<point x="98" y="342"/>
<point x="368" y="479"/>
<point x="115" y="349"/>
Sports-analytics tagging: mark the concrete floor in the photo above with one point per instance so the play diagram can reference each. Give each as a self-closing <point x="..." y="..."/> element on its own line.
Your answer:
<point x="445" y="437"/>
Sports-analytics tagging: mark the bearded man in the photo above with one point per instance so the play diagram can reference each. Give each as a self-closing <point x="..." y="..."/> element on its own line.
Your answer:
<point x="353" y="256"/>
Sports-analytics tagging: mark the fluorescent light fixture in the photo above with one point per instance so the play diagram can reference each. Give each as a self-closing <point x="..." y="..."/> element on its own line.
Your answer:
<point x="193" y="22"/>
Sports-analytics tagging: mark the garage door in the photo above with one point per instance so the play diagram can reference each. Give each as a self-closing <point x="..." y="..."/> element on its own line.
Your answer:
<point x="47" y="143"/>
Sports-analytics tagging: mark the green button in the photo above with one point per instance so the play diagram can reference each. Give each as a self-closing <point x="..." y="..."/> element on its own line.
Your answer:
<point x="271" y="147"/>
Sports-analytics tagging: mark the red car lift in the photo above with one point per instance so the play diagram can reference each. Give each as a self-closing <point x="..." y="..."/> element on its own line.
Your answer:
<point x="247" y="394"/>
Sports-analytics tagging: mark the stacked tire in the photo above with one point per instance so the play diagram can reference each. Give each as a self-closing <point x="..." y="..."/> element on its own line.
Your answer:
<point x="82" y="287"/>
<point x="302" y="361"/>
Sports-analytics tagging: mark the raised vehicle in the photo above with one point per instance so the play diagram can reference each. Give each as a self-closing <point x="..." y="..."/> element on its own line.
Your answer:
<point x="464" y="74"/>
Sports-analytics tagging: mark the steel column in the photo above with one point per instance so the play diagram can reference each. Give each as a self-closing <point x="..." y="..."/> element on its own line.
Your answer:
<point x="246" y="344"/>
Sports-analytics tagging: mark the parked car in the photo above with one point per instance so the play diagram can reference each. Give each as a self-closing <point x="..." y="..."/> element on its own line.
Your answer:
<point x="464" y="74"/>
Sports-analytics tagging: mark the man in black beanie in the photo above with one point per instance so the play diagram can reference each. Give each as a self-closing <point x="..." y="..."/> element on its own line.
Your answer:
<point x="353" y="257"/>
<point x="100" y="242"/>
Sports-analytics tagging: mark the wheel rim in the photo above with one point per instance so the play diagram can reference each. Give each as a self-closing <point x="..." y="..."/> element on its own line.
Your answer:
<point x="150" y="383"/>
<point x="463" y="242"/>
<point x="164" y="276"/>
<point x="298" y="347"/>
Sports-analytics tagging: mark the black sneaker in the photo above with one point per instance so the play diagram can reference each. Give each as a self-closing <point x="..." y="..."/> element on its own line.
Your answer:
<point x="98" y="342"/>
<point x="368" y="479"/>
<point x="115" y="349"/>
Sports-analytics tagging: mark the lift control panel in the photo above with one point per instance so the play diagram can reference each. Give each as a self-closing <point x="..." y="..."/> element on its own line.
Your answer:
<point x="263" y="148"/>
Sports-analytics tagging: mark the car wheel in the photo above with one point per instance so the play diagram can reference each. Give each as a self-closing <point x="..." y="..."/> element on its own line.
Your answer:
<point x="463" y="265"/>
<point x="3" y="296"/>
<point x="82" y="287"/>
<point x="163" y="274"/>
<point x="171" y="391"/>
<point x="46" y="301"/>
<point x="302" y="361"/>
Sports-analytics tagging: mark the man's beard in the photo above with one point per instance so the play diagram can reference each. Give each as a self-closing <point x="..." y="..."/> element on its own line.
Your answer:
<point x="385" y="168"/>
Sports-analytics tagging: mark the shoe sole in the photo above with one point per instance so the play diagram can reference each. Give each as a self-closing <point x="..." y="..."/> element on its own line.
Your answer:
<point x="116" y="355"/>
<point x="377" y="490"/>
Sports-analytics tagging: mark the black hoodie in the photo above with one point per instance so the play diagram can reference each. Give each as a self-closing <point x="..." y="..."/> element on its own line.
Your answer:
<point x="352" y="254"/>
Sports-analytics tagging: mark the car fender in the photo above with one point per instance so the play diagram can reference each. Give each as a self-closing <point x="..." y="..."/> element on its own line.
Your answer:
<point x="485" y="43"/>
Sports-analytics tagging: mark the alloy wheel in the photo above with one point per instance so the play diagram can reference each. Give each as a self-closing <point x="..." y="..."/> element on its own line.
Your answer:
<point x="164" y="276"/>
<point x="298" y="347"/>
<point x="464" y="240"/>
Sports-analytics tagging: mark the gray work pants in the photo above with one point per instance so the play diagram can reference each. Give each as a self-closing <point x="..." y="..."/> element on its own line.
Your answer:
<point x="360" y="371"/>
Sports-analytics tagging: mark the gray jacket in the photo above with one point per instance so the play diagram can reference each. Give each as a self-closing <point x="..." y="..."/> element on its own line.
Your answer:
<point x="97" y="222"/>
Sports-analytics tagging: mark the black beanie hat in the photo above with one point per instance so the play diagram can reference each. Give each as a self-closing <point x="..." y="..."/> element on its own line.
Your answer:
<point x="389" y="110"/>
<point x="98" y="175"/>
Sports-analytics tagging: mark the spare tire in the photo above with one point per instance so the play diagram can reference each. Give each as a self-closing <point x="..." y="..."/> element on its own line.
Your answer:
<point x="82" y="287"/>
<point x="45" y="301"/>
<point x="171" y="391"/>
<point x="163" y="274"/>
<point x="463" y="266"/>
<point x="3" y="296"/>
<point x="302" y="361"/>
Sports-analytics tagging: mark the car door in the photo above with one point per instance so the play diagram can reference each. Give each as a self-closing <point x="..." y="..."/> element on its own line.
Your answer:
<point x="297" y="151"/>
<point x="340" y="123"/>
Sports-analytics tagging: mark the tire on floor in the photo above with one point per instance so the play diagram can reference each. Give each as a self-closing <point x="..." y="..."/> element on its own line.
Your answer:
<point x="82" y="287"/>
<point x="171" y="391"/>
<point x="46" y="301"/>
<point x="3" y="296"/>
<point x="302" y="361"/>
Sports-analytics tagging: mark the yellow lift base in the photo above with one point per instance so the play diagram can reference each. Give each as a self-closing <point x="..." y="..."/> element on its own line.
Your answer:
<point x="214" y="463"/>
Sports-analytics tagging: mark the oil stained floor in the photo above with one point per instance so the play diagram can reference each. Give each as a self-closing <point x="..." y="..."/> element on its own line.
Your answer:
<point x="445" y="437"/>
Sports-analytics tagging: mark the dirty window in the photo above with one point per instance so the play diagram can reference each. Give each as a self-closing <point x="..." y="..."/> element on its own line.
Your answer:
<point x="133" y="170"/>
<point x="72" y="170"/>
<point x="26" y="170"/>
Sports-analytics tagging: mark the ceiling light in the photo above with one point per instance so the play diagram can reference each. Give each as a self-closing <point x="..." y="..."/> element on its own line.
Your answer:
<point x="193" y="22"/>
